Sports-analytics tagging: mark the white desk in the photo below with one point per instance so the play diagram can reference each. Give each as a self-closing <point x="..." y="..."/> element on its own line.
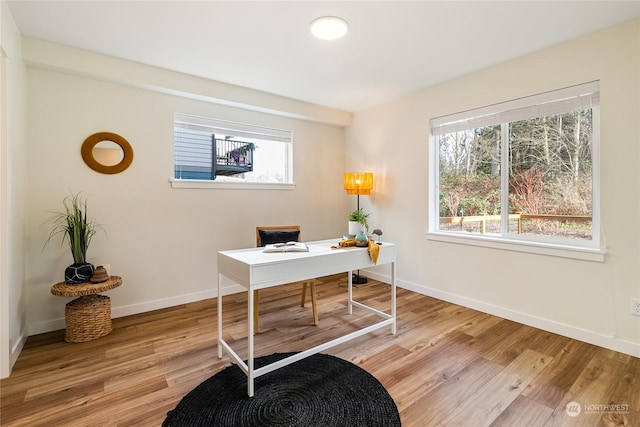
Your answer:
<point x="254" y="269"/>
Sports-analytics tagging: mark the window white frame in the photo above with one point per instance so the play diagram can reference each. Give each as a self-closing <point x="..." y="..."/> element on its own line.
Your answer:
<point x="581" y="96"/>
<point x="225" y="127"/>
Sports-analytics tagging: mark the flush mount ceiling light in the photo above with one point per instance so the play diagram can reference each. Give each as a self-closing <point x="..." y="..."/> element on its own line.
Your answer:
<point x="329" y="27"/>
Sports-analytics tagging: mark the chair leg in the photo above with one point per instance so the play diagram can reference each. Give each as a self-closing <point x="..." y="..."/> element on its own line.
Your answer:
<point x="255" y="311"/>
<point x="314" y="303"/>
<point x="303" y="300"/>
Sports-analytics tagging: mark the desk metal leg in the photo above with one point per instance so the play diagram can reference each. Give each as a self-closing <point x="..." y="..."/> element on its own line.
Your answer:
<point x="250" y="341"/>
<point x="219" y="318"/>
<point x="393" y="297"/>
<point x="350" y="287"/>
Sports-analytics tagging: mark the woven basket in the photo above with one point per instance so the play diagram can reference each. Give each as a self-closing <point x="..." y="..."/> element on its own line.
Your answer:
<point x="88" y="318"/>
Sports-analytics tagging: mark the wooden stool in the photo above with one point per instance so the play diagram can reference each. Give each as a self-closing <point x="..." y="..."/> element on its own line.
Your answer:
<point x="89" y="316"/>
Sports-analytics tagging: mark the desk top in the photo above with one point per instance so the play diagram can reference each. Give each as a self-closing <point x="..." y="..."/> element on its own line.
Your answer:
<point x="257" y="269"/>
<point x="62" y="289"/>
<point x="257" y="256"/>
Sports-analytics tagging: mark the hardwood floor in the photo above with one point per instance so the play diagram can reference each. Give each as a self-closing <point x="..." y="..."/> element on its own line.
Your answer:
<point x="447" y="365"/>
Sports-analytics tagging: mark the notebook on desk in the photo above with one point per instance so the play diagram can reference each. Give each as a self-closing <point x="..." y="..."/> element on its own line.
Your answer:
<point x="286" y="247"/>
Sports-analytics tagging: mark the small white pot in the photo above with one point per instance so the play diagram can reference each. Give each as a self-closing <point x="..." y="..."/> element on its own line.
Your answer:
<point x="355" y="227"/>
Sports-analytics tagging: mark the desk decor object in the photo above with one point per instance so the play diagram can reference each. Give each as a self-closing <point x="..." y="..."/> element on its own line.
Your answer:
<point x="321" y="390"/>
<point x="378" y="233"/>
<point x="361" y="239"/>
<point x="286" y="247"/>
<point x="77" y="229"/>
<point x="87" y="317"/>
<point x="372" y="247"/>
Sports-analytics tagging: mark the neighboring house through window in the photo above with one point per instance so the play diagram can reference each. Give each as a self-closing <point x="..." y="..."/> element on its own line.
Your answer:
<point x="207" y="149"/>
<point x="523" y="171"/>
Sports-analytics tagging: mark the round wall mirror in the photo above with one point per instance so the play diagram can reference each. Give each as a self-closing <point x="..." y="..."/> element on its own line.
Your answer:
<point x="107" y="152"/>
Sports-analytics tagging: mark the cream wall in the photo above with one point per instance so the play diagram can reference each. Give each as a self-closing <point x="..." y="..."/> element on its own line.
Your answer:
<point x="13" y="191"/>
<point x="583" y="299"/>
<point x="162" y="241"/>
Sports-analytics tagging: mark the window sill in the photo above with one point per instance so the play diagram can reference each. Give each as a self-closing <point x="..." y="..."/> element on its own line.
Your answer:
<point x="557" y="250"/>
<point x="192" y="183"/>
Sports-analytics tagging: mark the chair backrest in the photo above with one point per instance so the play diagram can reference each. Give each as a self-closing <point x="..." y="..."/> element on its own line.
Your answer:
<point x="269" y="235"/>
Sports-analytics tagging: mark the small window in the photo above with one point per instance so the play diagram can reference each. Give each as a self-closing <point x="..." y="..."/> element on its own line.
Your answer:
<point x="524" y="170"/>
<point x="216" y="150"/>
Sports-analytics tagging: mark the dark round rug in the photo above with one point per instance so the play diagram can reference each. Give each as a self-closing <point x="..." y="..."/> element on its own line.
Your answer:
<point x="320" y="390"/>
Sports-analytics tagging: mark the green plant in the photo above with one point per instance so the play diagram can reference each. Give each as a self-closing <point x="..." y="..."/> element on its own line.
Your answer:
<point x="359" y="216"/>
<point x="74" y="227"/>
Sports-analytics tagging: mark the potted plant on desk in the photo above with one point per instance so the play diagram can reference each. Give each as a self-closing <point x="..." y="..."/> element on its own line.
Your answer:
<point x="358" y="222"/>
<point x="77" y="230"/>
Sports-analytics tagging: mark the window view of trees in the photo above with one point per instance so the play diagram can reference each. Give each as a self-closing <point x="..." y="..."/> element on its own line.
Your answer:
<point x="549" y="171"/>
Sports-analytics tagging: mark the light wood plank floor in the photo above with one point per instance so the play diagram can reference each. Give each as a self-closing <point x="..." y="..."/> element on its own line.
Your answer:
<point x="447" y="365"/>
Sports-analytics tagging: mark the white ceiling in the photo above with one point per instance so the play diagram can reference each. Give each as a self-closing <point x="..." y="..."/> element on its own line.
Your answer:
<point x="393" y="47"/>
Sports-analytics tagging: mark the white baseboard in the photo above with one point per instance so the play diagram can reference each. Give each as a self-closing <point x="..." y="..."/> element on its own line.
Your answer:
<point x="172" y="302"/>
<point x="143" y="307"/>
<point x="606" y="341"/>
<point x="17" y="348"/>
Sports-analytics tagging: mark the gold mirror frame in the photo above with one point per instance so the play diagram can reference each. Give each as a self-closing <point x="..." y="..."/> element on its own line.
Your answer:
<point x="90" y="160"/>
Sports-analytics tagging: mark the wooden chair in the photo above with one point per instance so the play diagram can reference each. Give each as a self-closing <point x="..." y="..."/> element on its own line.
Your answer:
<point x="283" y="234"/>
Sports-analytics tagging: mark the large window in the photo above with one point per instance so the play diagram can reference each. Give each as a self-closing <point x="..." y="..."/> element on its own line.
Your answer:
<point x="208" y="149"/>
<point x="523" y="170"/>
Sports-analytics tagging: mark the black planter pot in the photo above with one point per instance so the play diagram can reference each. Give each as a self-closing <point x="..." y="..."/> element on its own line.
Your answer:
<point x="78" y="273"/>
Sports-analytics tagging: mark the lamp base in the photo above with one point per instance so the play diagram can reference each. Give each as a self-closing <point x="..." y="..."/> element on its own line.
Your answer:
<point x="358" y="280"/>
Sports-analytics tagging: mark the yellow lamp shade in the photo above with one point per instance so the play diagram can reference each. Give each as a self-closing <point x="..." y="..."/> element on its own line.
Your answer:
<point x="358" y="182"/>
